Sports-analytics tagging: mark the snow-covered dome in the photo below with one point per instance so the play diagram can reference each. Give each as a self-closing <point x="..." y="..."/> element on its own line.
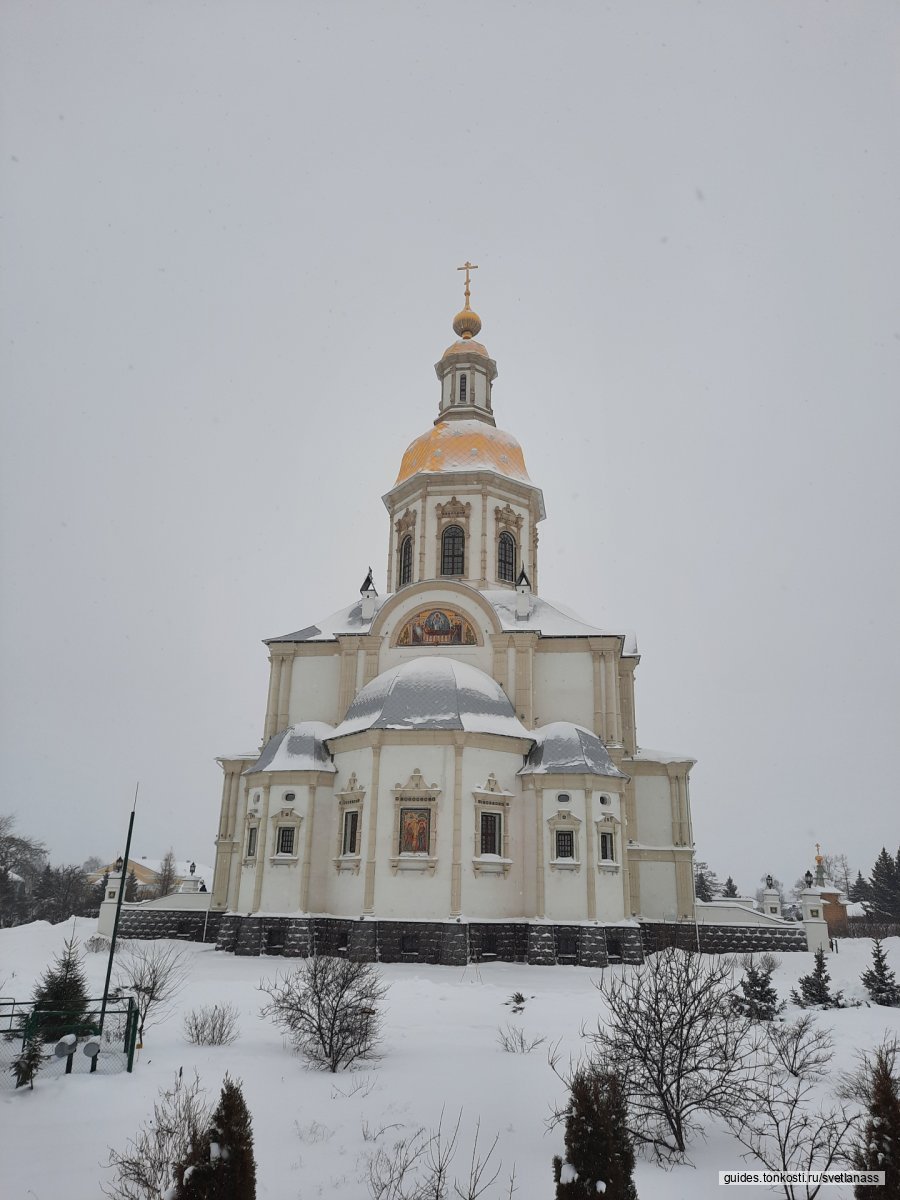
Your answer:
<point x="297" y="748"/>
<point x="433" y="693"/>
<point x="565" y="749"/>
<point x="467" y="445"/>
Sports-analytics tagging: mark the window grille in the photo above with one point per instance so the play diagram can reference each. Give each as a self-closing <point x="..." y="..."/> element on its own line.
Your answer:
<point x="406" y="561"/>
<point x="251" y="841"/>
<point x="490" y="833"/>
<point x="607" y="853"/>
<point x="286" y="839"/>
<point x="565" y="843"/>
<point x="350" y="843"/>
<point x="453" y="551"/>
<point x="506" y="558"/>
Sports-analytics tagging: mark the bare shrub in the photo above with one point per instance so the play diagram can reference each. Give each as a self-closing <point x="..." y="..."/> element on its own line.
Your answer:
<point x="784" y="1133"/>
<point x="799" y="1048"/>
<point x="515" y="1041"/>
<point x="765" y="961"/>
<point x="674" y="1037"/>
<point x="154" y="974"/>
<point x="144" y="1169"/>
<point x="212" y="1025"/>
<point x="98" y="943"/>
<point x="419" y="1167"/>
<point x="330" y="1008"/>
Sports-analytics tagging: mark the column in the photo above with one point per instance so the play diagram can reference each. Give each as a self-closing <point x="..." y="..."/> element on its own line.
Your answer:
<point x="272" y="700"/>
<point x="308" y="847"/>
<point x="590" y="854"/>
<point x="599" y="716"/>
<point x="369" y="890"/>
<point x="262" y="847"/>
<point x="539" y="852"/>
<point x="456" y="867"/>
<point x="284" y="689"/>
<point x="484" y="517"/>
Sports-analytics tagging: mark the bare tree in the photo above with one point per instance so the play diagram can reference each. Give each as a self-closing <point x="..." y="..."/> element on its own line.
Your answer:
<point x="143" y="1170"/>
<point x="673" y="1035"/>
<point x="330" y="1007"/>
<point x="155" y="974"/>
<point x="167" y="877"/>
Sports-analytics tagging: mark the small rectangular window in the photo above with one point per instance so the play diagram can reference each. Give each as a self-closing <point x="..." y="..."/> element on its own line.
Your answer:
<point x="607" y="853"/>
<point x="490" y="833"/>
<point x="350" y="842"/>
<point x="251" y="841"/>
<point x="286" y="839"/>
<point x="565" y="843"/>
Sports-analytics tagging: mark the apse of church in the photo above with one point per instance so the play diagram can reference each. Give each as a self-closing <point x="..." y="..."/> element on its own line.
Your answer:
<point x="450" y="769"/>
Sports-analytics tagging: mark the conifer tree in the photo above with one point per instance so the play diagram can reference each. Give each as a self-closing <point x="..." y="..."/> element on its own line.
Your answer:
<point x="880" y="1146"/>
<point x="599" y="1152"/>
<point x="759" y="1001"/>
<point x="28" y="1062"/>
<point x="131" y="887"/>
<point x="884" y="887"/>
<point x="60" y="998"/>
<point x="730" y="888"/>
<point x="859" y="889"/>
<point x="814" y="987"/>
<point x="701" y="887"/>
<point x="221" y="1164"/>
<point x="879" y="980"/>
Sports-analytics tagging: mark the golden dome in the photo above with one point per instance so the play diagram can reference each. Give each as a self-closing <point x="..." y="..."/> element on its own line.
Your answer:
<point x="464" y="446"/>
<point x="469" y="347"/>
<point x="466" y="323"/>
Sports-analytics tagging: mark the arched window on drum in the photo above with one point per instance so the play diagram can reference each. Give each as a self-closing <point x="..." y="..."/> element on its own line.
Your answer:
<point x="406" y="548"/>
<point x="453" y="551"/>
<point x="462" y="389"/>
<point x="506" y="558"/>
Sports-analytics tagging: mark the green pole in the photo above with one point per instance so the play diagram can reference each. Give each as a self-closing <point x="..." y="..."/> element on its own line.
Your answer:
<point x="112" y="944"/>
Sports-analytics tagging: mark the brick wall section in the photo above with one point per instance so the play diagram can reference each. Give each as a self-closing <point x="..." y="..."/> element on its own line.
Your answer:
<point x="165" y="923"/>
<point x="723" y="939"/>
<point x="501" y="943"/>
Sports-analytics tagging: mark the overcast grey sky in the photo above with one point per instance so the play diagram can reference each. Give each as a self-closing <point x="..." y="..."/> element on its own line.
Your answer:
<point x="229" y="240"/>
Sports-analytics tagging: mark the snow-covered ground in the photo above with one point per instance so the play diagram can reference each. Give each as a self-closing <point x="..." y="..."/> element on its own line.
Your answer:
<point x="312" y="1132"/>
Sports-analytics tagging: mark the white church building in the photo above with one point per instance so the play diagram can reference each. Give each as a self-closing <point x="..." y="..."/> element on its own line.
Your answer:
<point x="450" y="770"/>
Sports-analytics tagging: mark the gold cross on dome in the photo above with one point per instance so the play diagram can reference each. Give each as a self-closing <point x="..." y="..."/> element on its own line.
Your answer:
<point x="467" y="267"/>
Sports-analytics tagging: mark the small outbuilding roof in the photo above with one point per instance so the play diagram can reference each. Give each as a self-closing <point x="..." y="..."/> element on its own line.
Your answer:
<point x="565" y="749"/>
<point x="433" y="693"/>
<point x="297" y="748"/>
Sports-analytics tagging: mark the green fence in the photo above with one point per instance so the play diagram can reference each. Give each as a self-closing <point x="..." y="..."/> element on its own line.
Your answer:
<point x="105" y="1051"/>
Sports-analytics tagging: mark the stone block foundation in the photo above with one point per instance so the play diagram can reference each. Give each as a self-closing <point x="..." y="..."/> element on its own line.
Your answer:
<point x="455" y="943"/>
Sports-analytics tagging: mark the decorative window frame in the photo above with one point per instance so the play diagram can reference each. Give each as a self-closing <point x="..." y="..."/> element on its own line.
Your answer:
<point x="251" y="821"/>
<point x="611" y="825"/>
<point x="564" y="819"/>
<point x="415" y="793"/>
<point x="507" y="520"/>
<point x="454" y="512"/>
<point x="405" y="526"/>
<point x="285" y="818"/>
<point x="349" y="800"/>
<point x="492" y="798"/>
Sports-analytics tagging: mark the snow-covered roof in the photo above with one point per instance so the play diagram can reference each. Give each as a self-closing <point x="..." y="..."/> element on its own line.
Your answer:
<point x="561" y="748"/>
<point x="297" y="748"/>
<point x="642" y="754"/>
<point x="550" y="620"/>
<point x="433" y="693"/>
<point x="182" y="867"/>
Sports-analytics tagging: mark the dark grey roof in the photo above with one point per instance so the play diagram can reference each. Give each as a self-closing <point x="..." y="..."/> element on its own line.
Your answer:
<point x="565" y="749"/>
<point x="433" y="693"/>
<point x="297" y="748"/>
